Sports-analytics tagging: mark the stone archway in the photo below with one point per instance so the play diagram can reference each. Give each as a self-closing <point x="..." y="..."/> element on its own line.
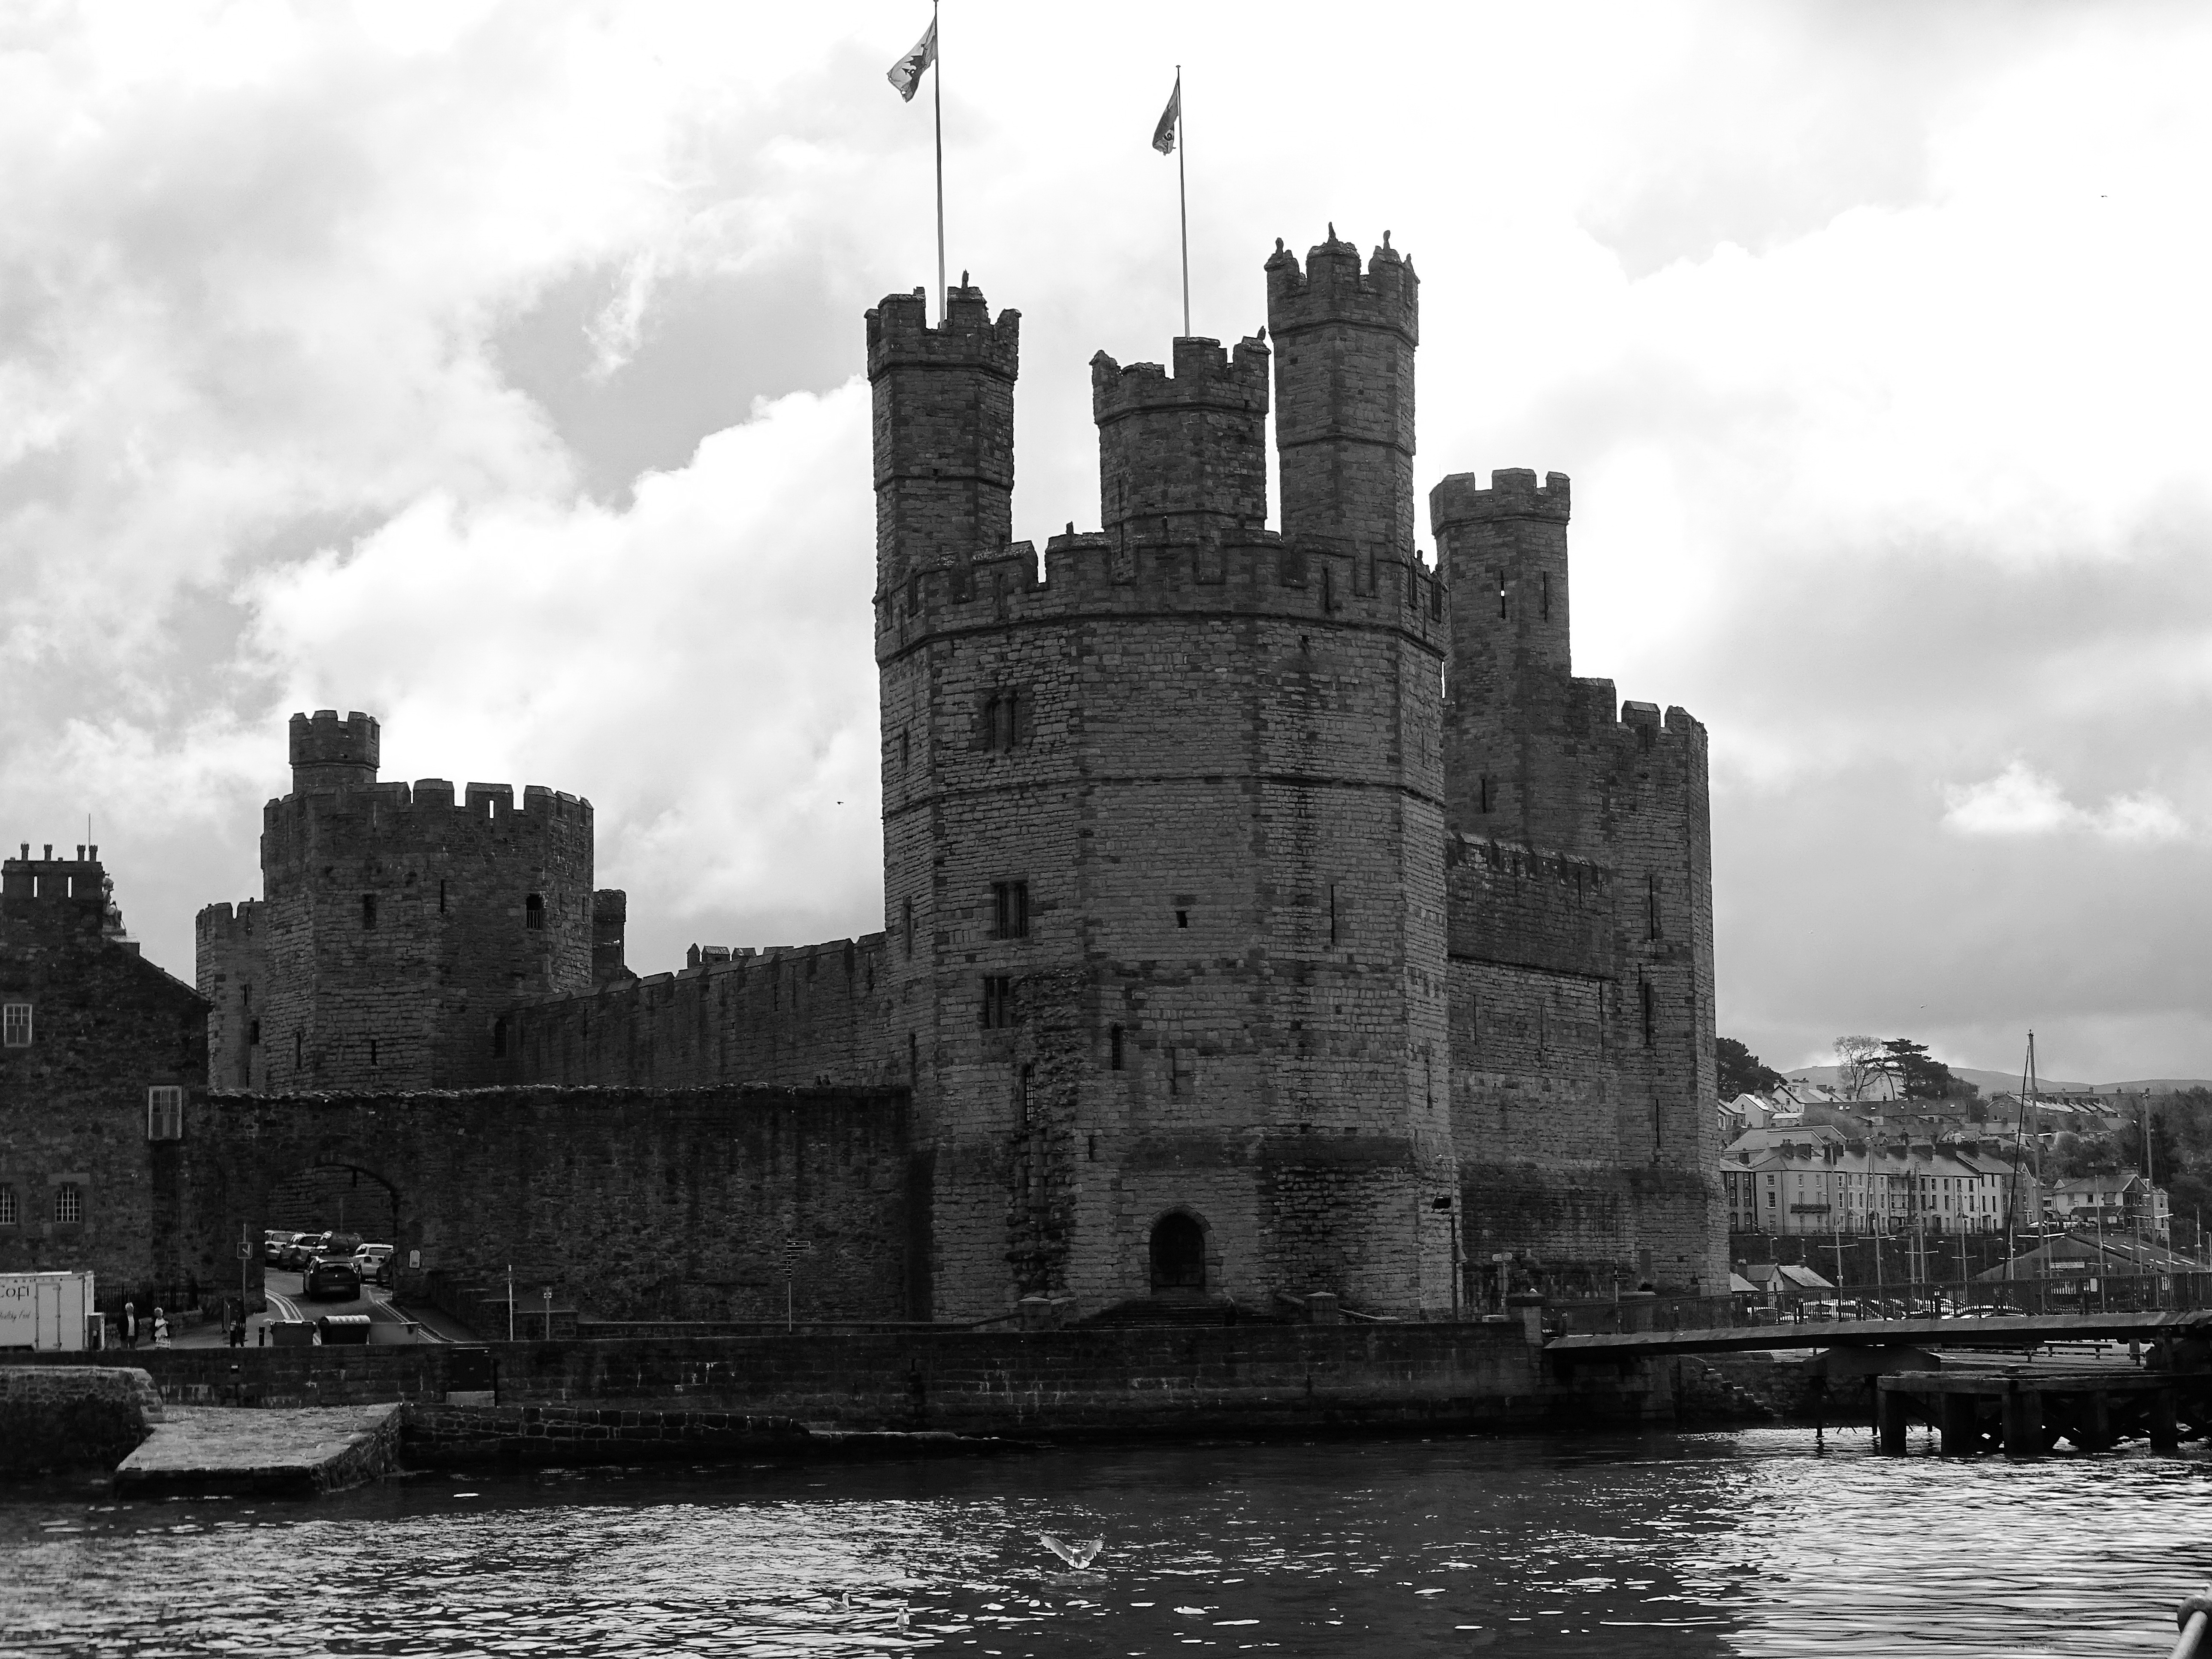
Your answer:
<point x="334" y="1194"/>
<point x="1178" y="1255"/>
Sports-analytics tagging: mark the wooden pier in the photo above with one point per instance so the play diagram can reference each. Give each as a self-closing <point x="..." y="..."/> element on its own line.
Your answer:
<point x="2026" y="1409"/>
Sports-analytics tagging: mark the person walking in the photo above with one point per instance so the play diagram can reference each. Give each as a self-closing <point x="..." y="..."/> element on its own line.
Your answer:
<point x="160" y="1329"/>
<point x="237" y="1323"/>
<point x="130" y="1325"/>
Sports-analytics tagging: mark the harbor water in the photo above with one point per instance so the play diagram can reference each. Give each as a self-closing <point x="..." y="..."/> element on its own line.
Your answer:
<point x="1763" y="1541"/>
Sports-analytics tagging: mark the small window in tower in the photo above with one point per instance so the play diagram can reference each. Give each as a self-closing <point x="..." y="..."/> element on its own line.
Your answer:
<point x="246" y="999"/>
<point x="1178" y="1077"/>
<point x="16" y="1025"/>
<point x="903" y="750"/>
<point x="913" y="1057"/>
<point x="9" y="1215"/>
<point x="165" y="1113"/>
<point x="498" y="1038"/>
<point x="1009" y="910"/>
<point x="372" y="1053"/>
<point x="1182" y="918"/>
<point x="1544" y="603"/>
<point x="998" y="1001"/>
<point x="368" y="909"/>
<point x="533" y="913"/>
<point x="1651" y="905"/>
<point x="1003" y="721"/>
<point x="69" y="1203"/>
<point x="1650" y="1014"/>
<point x="299" y="1047"/>
<point x="1332" y="925"/>
<point x="1022" y="1094"/>
<point x="907" y="914"/>
<point x="1113" y="1047"/>
<point x="1501" y="596"/>
<point x="1327" y="590"/>
<point x="441" y="899"/>
<point x="253" y="1034"/>
<point x="1488" y="791"/>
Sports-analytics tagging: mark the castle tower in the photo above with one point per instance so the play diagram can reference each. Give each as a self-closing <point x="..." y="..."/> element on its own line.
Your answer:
<point x="1582" y="918"/>
<point x="1344" y="395"/>
<point x="944" y="414"/>
<point x="1509" y="764"/>
<point x="1163" y="885"/>
<point x="396" y="925"/>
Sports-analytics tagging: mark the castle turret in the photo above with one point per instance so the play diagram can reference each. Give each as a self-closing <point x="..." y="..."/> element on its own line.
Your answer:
<point x="1182" y="459"/>
<point x="1509" y="768"/>
<point x="944" y="434"/>
<point x="330" y="753"/>
<point x="1344" y="395"/>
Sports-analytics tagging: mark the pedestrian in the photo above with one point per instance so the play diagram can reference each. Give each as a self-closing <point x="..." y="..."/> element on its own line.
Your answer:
<point x="160" y="1329"/>
<point x="237" y="1323"/>
<point x="130" y="1325"/>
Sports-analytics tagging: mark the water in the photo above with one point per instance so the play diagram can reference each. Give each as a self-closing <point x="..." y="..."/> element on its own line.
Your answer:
<point x="1755" y="1543"/>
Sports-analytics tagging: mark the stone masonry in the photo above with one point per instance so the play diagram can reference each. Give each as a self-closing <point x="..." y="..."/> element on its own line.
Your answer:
<point x="1265" y="911"/>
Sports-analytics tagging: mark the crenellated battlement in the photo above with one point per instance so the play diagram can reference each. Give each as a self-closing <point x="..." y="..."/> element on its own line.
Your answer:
<point x="398" y="815"/>
<point x="330" y="753"/>
<point x="217" y="925"/>
<point x="1205" y="376"/>
<point x="1333" y="289"/>
<point x="1513" y="493"/>
<point x="1246" y="572"/>
<point x="900" y="334"/>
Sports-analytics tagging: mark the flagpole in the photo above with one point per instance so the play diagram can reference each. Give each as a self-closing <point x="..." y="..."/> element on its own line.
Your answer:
<point x="937" y="94"/>
<point x="1182" y="198"/>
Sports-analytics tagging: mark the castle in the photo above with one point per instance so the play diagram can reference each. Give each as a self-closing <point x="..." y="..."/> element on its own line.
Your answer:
<point x="1266" y="911"/>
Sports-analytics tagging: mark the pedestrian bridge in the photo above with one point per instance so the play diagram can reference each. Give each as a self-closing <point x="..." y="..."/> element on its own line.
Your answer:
<point x="2028" y="1331"/>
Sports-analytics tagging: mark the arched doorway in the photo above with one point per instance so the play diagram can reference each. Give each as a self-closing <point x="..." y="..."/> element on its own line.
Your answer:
<point x="1178" y="1255"/>
<point x="336" y="1197"/>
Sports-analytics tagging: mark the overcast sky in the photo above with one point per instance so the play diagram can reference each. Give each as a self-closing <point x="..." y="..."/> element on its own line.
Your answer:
<point x="498" y="370"/>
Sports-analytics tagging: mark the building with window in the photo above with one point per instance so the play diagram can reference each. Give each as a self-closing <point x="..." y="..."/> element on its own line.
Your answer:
<point x="1818" y="1180"/>
<point x="102" y="1058"/>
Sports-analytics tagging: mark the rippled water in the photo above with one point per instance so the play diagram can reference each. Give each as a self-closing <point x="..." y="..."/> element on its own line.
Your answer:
<point x="1756" y="1542"/>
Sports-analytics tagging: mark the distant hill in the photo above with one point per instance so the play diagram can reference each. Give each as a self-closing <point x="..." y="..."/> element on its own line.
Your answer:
<point x="1992" y="1083"/>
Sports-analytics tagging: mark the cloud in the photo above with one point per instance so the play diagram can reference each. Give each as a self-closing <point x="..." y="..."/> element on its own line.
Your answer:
<point x="2021" y="801"/>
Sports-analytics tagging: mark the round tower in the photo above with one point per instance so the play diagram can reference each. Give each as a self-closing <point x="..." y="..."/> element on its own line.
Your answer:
<point x="397" y="925"/>
<point x="1163" y="837"/>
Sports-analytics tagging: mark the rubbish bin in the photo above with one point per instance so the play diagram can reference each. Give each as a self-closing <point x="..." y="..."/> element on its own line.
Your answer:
<point x="343" y="1328"/>
<point x="290" y="1333"/>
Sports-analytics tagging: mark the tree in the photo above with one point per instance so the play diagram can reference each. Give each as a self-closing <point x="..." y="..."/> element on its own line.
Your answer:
<point x="1917" y="1077"/>
<point x="1858" y="1063"/>
<point x="1742" y="1073"/>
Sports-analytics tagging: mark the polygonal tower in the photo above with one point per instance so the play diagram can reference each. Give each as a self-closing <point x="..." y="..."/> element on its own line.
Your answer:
<point x="1164" y="838"/>
<point x="396" y="926"/>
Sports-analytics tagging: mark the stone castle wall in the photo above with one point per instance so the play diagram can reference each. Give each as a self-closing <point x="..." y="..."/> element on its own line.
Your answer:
<point x="670" y="1203"/>
<point x="107" y="1026"/>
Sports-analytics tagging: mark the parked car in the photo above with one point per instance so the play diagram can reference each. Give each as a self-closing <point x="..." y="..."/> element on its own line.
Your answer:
<point x="1990" y="1310"/>
<point x="373" y="1263"/>
<point x="1837" y="1307"/>
<point x="297" y="1251"/>
<point x="331" y="1278"/>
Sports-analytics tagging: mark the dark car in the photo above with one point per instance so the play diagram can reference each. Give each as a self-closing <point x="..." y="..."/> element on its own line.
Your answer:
<point x="304" y="1249"/>
<point x="331" y="1278"/>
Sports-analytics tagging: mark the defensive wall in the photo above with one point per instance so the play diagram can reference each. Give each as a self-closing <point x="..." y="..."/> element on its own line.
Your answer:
<point x="808" y="1015"/>
<point x="1109" y="1383"/>
<point x="1162" y="840"/>
<point x="635" y="1202"/>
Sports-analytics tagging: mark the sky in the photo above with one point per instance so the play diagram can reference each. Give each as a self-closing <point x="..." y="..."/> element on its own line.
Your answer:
<point x="498" y="369"/>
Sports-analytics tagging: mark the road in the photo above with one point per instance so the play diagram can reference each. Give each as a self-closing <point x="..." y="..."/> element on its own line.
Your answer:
<point x="387" y="1324"/>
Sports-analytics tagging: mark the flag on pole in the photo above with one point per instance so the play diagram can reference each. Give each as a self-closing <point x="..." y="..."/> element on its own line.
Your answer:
<point x="1163" y="135"/>
<point x="906" y="74"/>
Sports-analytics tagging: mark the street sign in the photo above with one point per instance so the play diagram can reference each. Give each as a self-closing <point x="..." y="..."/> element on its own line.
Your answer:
<point x="245" y="1251"/>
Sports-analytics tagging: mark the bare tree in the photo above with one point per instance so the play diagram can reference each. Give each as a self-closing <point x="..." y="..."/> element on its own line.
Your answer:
<point x="1858" y="1063"/>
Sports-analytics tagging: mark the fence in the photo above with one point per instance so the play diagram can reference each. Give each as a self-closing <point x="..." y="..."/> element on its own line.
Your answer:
<point x="1951" y="1298"/>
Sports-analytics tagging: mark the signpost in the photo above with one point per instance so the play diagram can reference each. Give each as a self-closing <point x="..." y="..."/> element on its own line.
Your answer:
<point x="548" y="1294"/>
<point x="793" y="1249"/>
